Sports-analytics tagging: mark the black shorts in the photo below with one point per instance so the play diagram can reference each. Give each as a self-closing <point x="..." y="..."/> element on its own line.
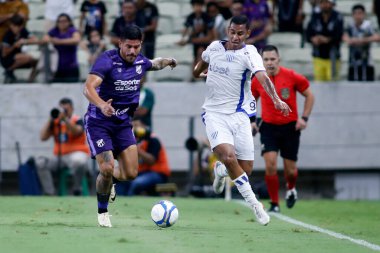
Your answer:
<point x="7" y="61"/>
<point x="283" y="138"/>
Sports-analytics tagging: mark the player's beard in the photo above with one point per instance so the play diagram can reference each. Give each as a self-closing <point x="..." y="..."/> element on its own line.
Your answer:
<point x="130" y="58"/>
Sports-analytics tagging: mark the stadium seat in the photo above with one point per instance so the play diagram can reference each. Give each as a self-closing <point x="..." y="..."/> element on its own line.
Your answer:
<point x="182" y="73"/>
<point x="36" y="27"/>
<point x="36" y="10"/>
<point x="167" y="40"/>
<point x="184" y="55"/>
<point x="165" y="25"/>
<point x="285" y="39"/>
<point x="170" y="9"/>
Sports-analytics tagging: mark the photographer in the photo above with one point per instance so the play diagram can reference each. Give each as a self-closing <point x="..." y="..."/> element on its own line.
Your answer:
<point x="70" y="148"/>
<point x="153" y="163"/>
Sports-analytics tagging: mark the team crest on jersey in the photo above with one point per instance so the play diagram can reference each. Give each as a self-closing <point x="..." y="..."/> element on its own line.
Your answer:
<point x="230" y="57"/>
<point x="100" y="143"/>
<point x="285" y="93"/>
<point x="119" y="70"/>
<point x="138" y="69"/>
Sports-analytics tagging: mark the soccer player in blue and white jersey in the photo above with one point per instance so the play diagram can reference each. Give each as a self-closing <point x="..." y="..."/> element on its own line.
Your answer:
<point x="228" y="106"/>
<point x="113" y="89"/>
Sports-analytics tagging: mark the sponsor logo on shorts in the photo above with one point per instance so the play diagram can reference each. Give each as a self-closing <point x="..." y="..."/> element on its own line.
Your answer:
<point x="138" y="69"/>
<point x="285" y="93"/>
<point x="121" y="112"/>
<point x="127" y="85"/>
<point x="100" y="143"/>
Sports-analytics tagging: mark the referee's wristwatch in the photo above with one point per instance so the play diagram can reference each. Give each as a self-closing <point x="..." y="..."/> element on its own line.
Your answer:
<point x="305" y="118"/>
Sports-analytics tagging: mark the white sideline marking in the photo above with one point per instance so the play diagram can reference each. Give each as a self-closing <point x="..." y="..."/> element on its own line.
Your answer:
<point x="322" y="230"/>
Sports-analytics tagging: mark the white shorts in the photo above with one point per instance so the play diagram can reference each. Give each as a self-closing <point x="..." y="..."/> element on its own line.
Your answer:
<point x="234" y="129"/>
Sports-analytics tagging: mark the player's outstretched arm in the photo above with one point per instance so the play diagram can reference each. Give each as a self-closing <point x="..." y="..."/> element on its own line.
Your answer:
<point x="160" y="63"/>
<point x="268" y="86"/>
<point x="199" y="69"/>
<point x="92" y="82"/>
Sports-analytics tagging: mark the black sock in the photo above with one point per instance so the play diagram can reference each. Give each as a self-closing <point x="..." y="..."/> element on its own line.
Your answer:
<point x="102" y="202"/>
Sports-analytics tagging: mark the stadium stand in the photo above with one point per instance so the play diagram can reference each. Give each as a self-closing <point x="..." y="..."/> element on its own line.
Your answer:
<point x="172" y="14"/>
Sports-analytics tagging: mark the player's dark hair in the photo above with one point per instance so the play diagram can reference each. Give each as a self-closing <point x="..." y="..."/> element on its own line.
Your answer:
<point x="240" y="20"/>
<point x="268" y="48"/>
<point x="17" y="20"/>
<point x="65" y="101"/>
<point x="201" y="2"/>
<point x="358" y="7"/>
<point x="131" y="32"/>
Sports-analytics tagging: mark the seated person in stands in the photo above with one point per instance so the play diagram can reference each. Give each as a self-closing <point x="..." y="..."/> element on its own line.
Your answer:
<point x="129" y="16"/>
<point x="65" y="38"/>
<point x="70" y="147"/>
<point x="12" y="56"/>
<point x="94" y="46"/>
<point x="359" y="35"/>
<point x="153" y="163"/>
<point x="198" y="30"/>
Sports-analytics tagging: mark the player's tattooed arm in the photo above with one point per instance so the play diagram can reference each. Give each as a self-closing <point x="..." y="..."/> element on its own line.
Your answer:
<point x="160" y="63"/>
<point x="271" y="91"/>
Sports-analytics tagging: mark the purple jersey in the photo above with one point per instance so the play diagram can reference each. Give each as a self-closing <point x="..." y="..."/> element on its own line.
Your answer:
<point x="121" y="82"/>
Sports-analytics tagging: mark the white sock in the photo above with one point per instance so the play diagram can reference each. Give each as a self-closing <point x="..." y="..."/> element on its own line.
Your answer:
<point x="245" y="189"/>
<point x="221" y="169"/>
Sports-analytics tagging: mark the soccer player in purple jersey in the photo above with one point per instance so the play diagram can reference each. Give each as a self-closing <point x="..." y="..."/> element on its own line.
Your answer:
<point x="113" y="89"/>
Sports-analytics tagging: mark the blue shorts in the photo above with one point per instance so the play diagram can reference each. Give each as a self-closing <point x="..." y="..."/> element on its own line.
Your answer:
<point x="106" y="135"/>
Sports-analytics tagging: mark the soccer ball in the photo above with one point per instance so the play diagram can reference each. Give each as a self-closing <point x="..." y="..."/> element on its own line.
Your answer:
<point x="164" y="214"/>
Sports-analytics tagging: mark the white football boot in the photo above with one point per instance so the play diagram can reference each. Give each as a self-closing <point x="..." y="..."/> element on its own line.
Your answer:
<point x="104" y="220"/>
<point x="219" y="182"/>
<point x="261" y="216"/>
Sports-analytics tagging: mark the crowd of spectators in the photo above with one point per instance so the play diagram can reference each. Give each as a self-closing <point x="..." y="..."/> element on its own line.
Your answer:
<point x="324" y="29"/>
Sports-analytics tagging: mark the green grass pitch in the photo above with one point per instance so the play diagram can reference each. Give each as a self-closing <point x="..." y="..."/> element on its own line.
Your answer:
<point x="68" y="224"/>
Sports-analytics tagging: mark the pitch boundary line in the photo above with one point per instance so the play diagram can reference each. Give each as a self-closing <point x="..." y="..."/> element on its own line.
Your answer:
<point x="322" y="230"/>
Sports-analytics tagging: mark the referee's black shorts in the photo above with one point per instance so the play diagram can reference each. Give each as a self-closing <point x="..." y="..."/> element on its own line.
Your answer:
<point x="283" y="138"/>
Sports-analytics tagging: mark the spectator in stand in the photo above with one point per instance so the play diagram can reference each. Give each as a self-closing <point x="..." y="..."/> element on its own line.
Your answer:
<point x="237" y="9"/>
<point x="314" y="6"/>
<point x="9" y="8"/>
<point x="65" y="38"/>
<point x="376" y="11"/>
<point x="146" y="104"/>
<point x="324" y="32"/>
<point x="12" y="56"/>
<point x="153" y="163"/>
<point x="70" y="147"/>
<point x="93" y="17"/>
<point x="53" y="8"/>
<point x="129" y="17"/>
<point x="150" y="14"/>
<point x="290" y="15"/>
<point x="219" y="30"/>
<point x="224" y="7"/>
<point x="359" y="35"/>
<point x="259" y="16"/>
<point x="198" y="30"/>
<point x="94" y="46"/>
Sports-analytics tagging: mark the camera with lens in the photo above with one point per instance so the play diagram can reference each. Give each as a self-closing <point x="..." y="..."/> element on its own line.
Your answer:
<point x="54" y="113"/>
